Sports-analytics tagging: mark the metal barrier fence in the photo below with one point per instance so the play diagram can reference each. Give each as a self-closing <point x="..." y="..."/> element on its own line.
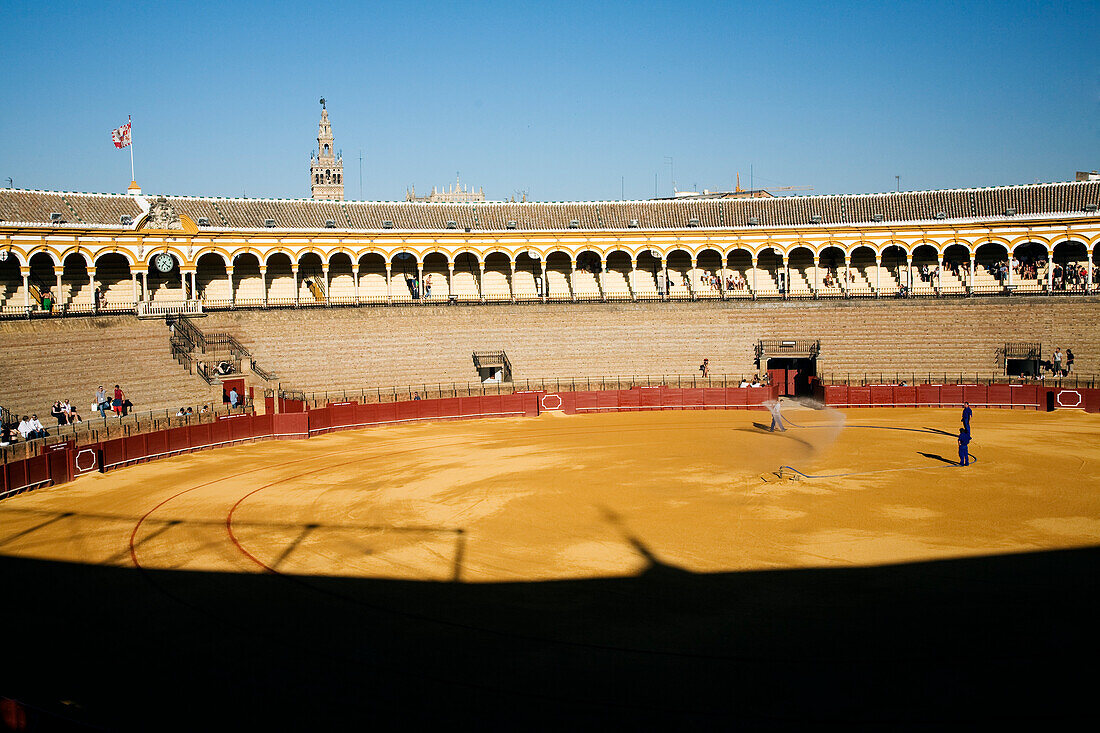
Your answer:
<point x="403" y="300"/>
<point x="1073" y="380"/>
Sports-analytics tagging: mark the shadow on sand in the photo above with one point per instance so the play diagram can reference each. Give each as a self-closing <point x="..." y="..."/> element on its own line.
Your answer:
<point x="988" y="638"/>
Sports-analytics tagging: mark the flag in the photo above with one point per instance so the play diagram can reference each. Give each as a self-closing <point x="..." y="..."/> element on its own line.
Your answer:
<point x="121" y="136"/>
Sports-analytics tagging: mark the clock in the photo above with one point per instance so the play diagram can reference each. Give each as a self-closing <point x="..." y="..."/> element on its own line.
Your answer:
<point x="164" y="262"/>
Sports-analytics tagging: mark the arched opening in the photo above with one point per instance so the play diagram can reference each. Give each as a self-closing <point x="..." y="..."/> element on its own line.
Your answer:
<point x="706" y="277"/>
<point x="738" y="273"/>
<point x="829" y="278"/>
<point x="11" y="285"/>
<point x="893" y="272"/>
<point x="112" y="275"/>
<point x="955" y="272"/>
<point x="800" y="270"/>
<point x="1070" y="266"/>
<point x="496" y="284"/>
<point x="341" y="279"/>
<point x="926" y="265"/>
<point x="435" y="285"/>
<point x="990" y="267"/>
<point x="280" y="279"/>
<point x="615" y="279"/>
<point x="372" y="278"/>
<point x="43" y="282"/>
<point x="248" y="282"/>
<point x="311" y="279"/>
<point x="1029" y="267"/>
<point x="769" y="274"/>
<point x="556" y="284"/>
<point x="677" y="270"/>
<point x="645" y="278"/>
<point x="404" y="277"/>
<point x="212" y="281"/>
<point x="77" y="283"/>
<point x="860" y="277"/>
<point x="525" y="285"/>
<point x="583" y="280"/>
<point x="466" y="284"/>
<point x="164" y="280"/>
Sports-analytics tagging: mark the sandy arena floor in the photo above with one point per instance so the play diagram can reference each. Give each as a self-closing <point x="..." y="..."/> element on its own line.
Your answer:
<point x="676" y="568"/>
<point x="584" y="496"/>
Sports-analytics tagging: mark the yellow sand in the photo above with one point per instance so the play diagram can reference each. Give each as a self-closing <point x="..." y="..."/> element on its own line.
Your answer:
<point x="584" y="496"/>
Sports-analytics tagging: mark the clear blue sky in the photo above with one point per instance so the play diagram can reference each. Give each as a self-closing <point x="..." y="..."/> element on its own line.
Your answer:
<point x="563" y="100"/>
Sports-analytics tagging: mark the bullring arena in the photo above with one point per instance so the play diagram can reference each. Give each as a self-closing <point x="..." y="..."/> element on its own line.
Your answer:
<point x="523" y="503"/>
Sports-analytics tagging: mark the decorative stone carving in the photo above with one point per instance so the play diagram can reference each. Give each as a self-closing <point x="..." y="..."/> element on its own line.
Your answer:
<point x="162" y="216"/>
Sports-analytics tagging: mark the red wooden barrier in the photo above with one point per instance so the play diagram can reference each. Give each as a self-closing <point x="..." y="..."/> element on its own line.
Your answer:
<point x="693" y="398"/>
<point x="1025" y="395"/>
<point x="630" y="399"/>
<point x="905" y="396"/>
<point x="882" y="395"/>
<point x="999" y="395"/>
<point x="287" y="426"/>
<point x="976" y="394"/>
<point x="859" y="396"/>
<point x="951" y="395"/>
<point x="835" y="394"/>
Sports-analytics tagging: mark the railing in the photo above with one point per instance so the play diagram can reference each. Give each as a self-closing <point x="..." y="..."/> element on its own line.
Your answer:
<point x="548" y="384"/>
<point x="261" y="373"/>
<point x="1073" y="380"/>
<point x="160" y="310"/>
<point x="196" y="307"/>
<point x="98" y="428"/>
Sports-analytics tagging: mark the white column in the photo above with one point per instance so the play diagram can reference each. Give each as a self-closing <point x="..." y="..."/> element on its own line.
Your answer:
<point x="480" y="279"/>
<point x="263" y="283"/>
<point x="1011" y="270"/>
<point x="755" y="266"/>
<point x="324" y="274"/>
<point x="512" y="281"/>
<point x="232" y="290"/>
<point x="91" y="283"/>
<point x="972" y="266"/>
<point x="183" y="281"/>
<point x="389" y="292"/>
<point x="294" y="270"/>
<point x="633" y="279"/>
<point x="26" y="272"/>
<point x="1088" y="272"/>
<point x="450" y="280"/>
<point x="58" y="299"/>
<point x="194" y="290"/>
<point x="569" y="279"/>
<point x="133" y="283"/>
<point x="909" y="265"/>
<point x="355" y="281"/>
<point x="420" y="280"/>
<point x="1050" y="271"/>
<point x="878" y="275"/>
<point x="844" y="284"/>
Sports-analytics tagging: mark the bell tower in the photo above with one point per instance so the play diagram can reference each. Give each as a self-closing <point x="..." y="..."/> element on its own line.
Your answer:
<point x="325" y="167"/>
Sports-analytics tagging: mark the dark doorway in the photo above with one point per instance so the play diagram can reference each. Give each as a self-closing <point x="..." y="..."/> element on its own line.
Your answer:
<point x="793" y="375"/>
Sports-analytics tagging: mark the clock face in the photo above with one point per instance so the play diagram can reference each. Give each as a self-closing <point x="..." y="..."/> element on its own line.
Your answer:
<point x="164" y="262"/>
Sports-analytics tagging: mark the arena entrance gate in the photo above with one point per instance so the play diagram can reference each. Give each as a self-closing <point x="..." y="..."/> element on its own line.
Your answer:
<point x="791" y="363"/>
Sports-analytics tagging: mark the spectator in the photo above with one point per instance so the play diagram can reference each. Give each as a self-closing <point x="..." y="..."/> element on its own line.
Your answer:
<point x="181" y="412"/>
<point x="30" y="428"/>
<point x="427" y="286"/>
<point x="205" y="409"/>
<point x="1069" y="360"/>
<point x="416" y="395"/>
<point x="74" y="418"/>
<point x="67" y="408"/>
<point x="116" y="403"/>
<point x="705" y="368"/>
<point x="8" y="435"/>
<point x="101" y="401"/>
<point x="744" y="382"/>
<point x="58" y="414"/>
<point x="190" y="411"/>
<point x="47" y="301"/>
<point x="1056" y="362"/>
<point x="234" y="398"/>
<point x="97" y="300"/>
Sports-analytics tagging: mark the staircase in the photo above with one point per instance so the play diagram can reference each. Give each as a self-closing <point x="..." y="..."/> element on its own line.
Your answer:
<point x="187" y="338"/>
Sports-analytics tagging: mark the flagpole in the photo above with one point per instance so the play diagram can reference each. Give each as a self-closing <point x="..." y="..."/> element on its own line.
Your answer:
<point x="130" y="121"/>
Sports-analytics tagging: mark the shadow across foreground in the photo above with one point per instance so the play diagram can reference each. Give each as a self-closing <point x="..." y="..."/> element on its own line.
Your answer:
<point x="989" y="638"/>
